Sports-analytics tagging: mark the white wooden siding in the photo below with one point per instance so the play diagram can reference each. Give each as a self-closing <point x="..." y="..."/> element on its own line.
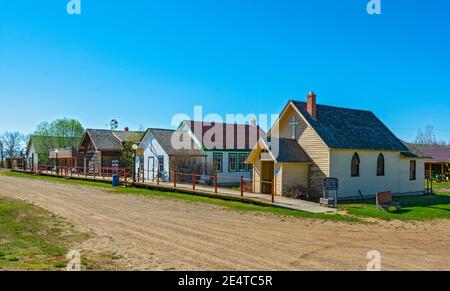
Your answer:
<point x="312" y="144"/>
<point x="226" y="177"/>
<point x="396" y="178"/>
<point x="153" y="149"/>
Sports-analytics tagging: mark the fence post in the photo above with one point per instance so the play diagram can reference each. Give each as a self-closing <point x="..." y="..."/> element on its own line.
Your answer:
<point x="193" y="181"/>
<point x="273" y="190"/>
<point x="174" y="178"/>
<point x="157" y="178"/>
<point x="94" y="171"/>
<point x="242" y="186"/>
<point x="215" y="183"/>
<point x="125" y="176"/>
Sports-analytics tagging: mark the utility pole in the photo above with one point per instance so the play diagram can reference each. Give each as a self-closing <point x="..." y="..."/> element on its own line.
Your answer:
<point x="1" y="154"/>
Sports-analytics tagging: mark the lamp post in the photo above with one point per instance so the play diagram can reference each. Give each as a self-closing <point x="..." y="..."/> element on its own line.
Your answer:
<point x="134" y="147"/>
<point x="56" y="160"/>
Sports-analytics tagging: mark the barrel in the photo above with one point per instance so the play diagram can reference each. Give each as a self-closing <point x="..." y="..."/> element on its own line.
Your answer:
<point x="115" y="180"/>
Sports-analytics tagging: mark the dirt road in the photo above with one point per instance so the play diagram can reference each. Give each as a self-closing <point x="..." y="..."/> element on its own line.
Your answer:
<point x="151" y="233"/>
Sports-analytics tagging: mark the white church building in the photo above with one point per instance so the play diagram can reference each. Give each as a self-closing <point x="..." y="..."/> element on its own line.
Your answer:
<point x="310" y="142"/>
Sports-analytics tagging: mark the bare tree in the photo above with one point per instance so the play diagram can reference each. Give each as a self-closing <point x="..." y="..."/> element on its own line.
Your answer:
<point x="442" y="142"/>
<point x="426" y="137"/>
<point x="12" y="142"/>
<point x="1" y="154"/>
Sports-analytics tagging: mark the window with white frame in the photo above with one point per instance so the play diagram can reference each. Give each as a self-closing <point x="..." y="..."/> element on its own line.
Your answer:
<point x="232" y="162"/>
<point x="218" y="162"/>
<point x="161" y="165"/>
<point x="242" y="166"/>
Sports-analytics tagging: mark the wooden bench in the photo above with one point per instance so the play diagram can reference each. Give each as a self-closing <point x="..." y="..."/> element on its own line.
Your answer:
<point x="384" y="201"/>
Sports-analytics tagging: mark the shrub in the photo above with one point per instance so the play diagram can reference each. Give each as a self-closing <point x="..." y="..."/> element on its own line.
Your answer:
<point x="296" y="192"/>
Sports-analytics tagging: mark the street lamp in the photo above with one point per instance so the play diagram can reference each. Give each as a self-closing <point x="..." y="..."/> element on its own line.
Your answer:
<point x="134" y="147"/>
<point x="56" y="160"/>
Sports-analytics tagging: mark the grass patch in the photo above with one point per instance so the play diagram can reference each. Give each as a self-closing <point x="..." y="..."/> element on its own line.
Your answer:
<point x="233" y="205"/>
<point x="55" y="179"/>
<point x="420" y="208"/>
<point x="32" y="238"/>
<point x="438" y="186"/>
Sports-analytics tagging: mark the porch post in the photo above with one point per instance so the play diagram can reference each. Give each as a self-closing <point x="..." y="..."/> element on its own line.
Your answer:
<point x="273" y="190"/>
<point x="84" y="164"/>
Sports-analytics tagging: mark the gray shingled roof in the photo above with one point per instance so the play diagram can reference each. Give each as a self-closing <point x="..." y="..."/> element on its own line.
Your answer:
<point x="342" y="128"/>
<point x="164" y="138"/>
<point x="291" y="152"/>
<point x="109" y="140"/>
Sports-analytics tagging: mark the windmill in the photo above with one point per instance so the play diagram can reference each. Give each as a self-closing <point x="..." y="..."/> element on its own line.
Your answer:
<point x="114" y="124"/>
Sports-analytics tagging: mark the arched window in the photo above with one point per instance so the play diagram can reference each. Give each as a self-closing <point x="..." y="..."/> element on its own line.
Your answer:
<point x="355" y="165"/>
<point x="380" y="165"/>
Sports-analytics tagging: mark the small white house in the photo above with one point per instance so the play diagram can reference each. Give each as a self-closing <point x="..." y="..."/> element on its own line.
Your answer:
<point x="38" y="148"/>
<point x="32" y="157"/>
<point x="227" y="147"/>
<point x="161" y="158"/>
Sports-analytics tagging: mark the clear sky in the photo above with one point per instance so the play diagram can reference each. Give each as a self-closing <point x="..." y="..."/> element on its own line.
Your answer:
<point x="141" y="62"/>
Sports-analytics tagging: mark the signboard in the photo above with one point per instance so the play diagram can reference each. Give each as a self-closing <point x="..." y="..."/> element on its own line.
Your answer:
<point x="140" y="152"/>
<point x="331" y="184"/>
<point x="115" y="163"/>
<point x="327" y="202"/>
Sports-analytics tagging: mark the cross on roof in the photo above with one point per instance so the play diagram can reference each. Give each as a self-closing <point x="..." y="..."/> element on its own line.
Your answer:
<point x="294" y="123"/>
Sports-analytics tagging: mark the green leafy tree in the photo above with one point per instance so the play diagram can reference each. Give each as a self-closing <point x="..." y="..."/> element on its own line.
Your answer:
<point x="127" y="156"/>
<point x="60" y="133"/>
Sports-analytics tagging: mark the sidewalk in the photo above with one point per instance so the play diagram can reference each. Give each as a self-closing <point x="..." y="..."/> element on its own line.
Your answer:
<point x="223" y="193"/>
<point x="280" y="201"/>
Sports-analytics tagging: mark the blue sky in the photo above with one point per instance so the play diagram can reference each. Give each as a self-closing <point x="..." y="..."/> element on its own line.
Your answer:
<point x="141" y="62"/>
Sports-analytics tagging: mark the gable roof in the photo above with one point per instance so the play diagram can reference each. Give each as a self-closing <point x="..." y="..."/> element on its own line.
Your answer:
<point x="244" y="136"/>
<point x="111" y="140"/>
<point x="342" y="128"/>
<point x="290" y="151"/>
<point x="164" y="138"/>
<point x="414" y="151"/>
<point x="280" y="150"/>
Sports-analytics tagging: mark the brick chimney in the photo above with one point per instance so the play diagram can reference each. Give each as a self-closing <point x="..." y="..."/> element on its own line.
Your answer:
<point x="311" y="106"/>
<point x="126" y="129"/>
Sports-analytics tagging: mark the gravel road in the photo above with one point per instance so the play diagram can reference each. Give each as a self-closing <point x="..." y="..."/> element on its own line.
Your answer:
<point x="156" y="233"/>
